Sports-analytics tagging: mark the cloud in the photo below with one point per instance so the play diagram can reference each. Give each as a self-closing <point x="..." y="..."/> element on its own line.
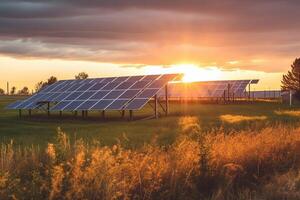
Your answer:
<point x="153" y="32"/>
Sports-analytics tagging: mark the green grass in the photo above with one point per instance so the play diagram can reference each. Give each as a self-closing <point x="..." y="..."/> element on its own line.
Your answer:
<point x="39" y="130"/>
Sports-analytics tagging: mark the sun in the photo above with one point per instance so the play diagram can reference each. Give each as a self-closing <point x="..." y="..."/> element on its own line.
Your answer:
<point x="193" y="73"/>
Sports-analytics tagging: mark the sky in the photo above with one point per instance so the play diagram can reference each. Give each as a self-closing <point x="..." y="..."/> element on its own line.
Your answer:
<point x="205" y="39"/>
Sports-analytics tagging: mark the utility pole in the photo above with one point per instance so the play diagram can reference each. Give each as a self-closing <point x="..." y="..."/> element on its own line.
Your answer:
<point x="7" y="88"/>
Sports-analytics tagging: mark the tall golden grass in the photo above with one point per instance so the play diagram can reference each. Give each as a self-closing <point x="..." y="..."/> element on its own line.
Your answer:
<point x="196" y="165"/>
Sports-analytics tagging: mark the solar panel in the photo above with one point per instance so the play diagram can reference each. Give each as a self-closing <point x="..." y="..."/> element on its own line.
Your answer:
<point x="117" y="104"/>
<point x="85" y="87"/>
<point x="136" y="104"/>
<point x="208" y="89"/>
<point x="73" y="105"/>
<point x="99" y="95"/>
<point x="60" y="105"/>
<point x="101" y="105"/>
<point x="86" y="105"/>
<point x="125" y="85"/>
<point x="61" y="97"/>
<point x="85" y="95"/>
<point x="121" y="79"/>
<point x="150" y="77"/>
<point x="111" y="86"/>
<point x="98" y="86"/>
<point x="73" y="96"/>
<point x="148" y="93"/>
<point x="129" y="94"/>
<point x="113" y="93"/>
<point x="13" y="105"/>
<point x="140" y="85"/>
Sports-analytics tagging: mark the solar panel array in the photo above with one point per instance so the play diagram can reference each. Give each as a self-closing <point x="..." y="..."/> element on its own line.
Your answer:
<point x="209" y="89"/>
<point x="114" y="93"/>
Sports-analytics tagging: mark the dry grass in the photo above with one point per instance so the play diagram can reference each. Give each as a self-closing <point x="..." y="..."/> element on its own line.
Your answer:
<point x="215" y="166"/>
<point x="293" y="113"/>
<point x="240" y="118"/>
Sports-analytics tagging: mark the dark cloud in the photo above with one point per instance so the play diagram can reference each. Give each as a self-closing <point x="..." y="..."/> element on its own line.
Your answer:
<point x="151" y="32"/>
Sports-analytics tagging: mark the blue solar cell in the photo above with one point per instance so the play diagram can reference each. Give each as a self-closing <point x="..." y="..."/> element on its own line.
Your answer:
<point x="62" y="96"/>
<point x="129" y="94"/>
<point x="60" y="105"/>
<point x="134" y="78"/>
<point x="13" y="105"/>
<point x="48" y="88"/>
<point x="73" y="96"/>
<point x="150" y="77"/>
<point x="121" y="79"/>
<point x="64" y="88"/>
<point x="98" y="86"/>
<point x="85" y="87"/>
<point x="44" y="97"/>
<point x="124" y="85"/>
<point x="53" y="96"/>
<point x="32" y="105"/>
<point x="87" y="105"/>
<point x="107" y="80"/>
<point x="117" y="104"/>
<point x="23" y="105"/>
<point x="168" y="77"/>
<point x="73" y="105"/>
<point x="140" y="85"/>
<point x="85" y="95"/>
<point x="101" y="105"/>
<point x="114" y="94"/>
<point x="99" y="95"/>
<point x="110" y="86"/>
<point x="136" y="104"/>
<point x="158" y="84"/>
<point x="74" y="87"/>
<point x="148" y="93"/>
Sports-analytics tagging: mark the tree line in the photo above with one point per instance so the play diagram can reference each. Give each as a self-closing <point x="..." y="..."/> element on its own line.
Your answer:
<point x="40" y="85"/>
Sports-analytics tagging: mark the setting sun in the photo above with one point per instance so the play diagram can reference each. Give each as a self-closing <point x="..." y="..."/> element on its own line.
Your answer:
<point x="193" y="73"/>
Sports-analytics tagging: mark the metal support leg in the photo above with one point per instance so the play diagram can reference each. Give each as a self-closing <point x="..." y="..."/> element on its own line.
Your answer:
<point x="48" y="109"/>
<point x="20" y="113"/>
<point x="249" y="94"/>
<point x="29" y="112"/>
<point x="60" y="113"/>
<point x="167" y="100"/>
<point x="82" y="114"/>
<point x="123" y="113"/>
<point x="131" y="114"/>
<point x="103" y="114"/>
<point x="155" y="107"/>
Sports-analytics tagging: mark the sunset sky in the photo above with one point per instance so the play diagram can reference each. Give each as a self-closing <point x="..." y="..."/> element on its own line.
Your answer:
<point x="206" y="39"/>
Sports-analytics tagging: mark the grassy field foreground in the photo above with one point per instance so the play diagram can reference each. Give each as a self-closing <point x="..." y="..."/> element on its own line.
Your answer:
<point x="247" y="165"/>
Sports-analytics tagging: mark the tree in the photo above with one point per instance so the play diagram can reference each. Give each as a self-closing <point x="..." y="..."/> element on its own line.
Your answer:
<point x="42" y="84"/>
<point x="51" y="80"/>
<point x="39" y="86"/>
<point x="291" y="80"/>
<point x="24" y="91"/>
<point x="13" y="90"/>
<point x="2" y="92"/>
<point x="82" y="75"/>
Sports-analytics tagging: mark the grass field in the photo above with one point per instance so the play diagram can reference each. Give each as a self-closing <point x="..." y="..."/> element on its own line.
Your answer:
<point x="201" y="151"/>
<point x="39" y="130"/>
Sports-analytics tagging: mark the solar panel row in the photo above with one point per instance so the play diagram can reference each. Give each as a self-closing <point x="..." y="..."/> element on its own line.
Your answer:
<point x="209" y="89"/>
<point x="114" y="93"/>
